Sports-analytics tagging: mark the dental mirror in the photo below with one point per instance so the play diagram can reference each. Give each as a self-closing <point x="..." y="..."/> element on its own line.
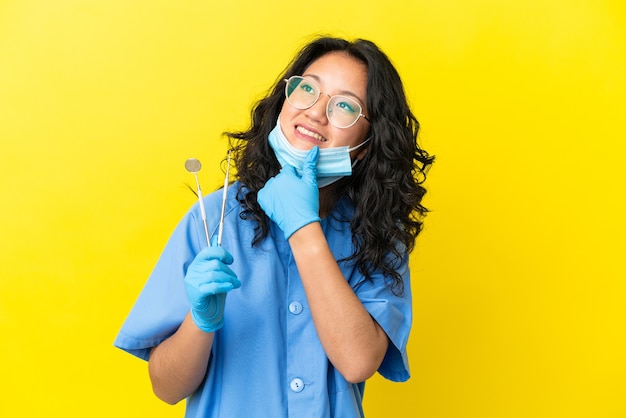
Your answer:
<point x="193" y="166"/>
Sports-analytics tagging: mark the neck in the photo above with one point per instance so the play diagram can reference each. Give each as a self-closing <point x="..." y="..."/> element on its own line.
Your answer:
<point x="327" y="200"/>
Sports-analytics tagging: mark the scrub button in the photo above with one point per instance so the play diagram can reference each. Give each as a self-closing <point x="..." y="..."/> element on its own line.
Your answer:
<point x="296" y="385"/>
<point x="295" y="308"/>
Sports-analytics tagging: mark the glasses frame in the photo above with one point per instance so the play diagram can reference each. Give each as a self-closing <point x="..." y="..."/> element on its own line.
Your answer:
<point x="319" y="93"/>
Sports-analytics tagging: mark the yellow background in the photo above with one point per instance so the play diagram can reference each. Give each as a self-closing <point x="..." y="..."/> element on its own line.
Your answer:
<point x="519" y="277"/>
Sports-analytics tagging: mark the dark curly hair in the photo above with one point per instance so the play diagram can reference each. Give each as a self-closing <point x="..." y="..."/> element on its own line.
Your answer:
<point x="385" y="187"/>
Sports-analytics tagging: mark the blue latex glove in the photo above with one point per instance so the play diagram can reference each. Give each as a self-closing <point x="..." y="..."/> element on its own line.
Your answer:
<point x="207" y="281"/>
<point x="290" y="200"/>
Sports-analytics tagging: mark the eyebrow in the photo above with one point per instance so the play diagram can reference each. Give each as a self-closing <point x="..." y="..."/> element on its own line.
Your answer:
<point x="341" y="92"/>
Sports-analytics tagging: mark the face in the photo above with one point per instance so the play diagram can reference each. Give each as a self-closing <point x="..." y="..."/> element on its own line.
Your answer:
<point x="335" y="73"/>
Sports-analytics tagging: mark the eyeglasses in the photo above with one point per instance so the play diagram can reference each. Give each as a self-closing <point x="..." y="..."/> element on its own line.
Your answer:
<point x="341" y="111"/>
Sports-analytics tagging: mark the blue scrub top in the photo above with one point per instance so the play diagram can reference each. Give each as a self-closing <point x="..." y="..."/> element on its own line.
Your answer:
<point x="267" y="360"/>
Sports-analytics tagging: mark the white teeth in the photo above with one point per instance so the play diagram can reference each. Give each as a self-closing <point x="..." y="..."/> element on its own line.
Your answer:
<point x="311" y="134"/>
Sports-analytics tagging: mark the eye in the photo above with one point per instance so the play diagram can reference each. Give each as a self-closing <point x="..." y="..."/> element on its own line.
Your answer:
<point x="307" y="88"/>
<point x="347" y="106"/>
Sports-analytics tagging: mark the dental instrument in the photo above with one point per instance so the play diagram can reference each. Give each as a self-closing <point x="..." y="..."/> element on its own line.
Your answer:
<point x="193" y="166"/>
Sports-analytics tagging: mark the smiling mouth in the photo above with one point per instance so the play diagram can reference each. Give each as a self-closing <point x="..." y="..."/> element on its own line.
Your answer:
<point x="313" y="135"/>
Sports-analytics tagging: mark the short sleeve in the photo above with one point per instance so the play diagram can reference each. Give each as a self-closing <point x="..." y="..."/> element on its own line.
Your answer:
<point x="394" y="314"/>
<point x="162" y="304"/>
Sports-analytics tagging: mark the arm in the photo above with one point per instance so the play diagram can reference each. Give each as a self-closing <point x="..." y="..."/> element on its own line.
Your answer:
<point x="352" y="339"/>
<point x="178" y="365"/>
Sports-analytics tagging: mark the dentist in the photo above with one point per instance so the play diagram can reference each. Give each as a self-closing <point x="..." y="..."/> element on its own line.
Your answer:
<point x="309" y="294"/>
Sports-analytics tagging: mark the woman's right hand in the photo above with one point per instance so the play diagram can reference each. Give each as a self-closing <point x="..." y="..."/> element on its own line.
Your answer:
<point x="207" y="282"/>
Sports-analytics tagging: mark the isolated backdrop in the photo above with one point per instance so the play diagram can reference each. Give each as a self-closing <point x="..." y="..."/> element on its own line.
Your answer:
<point x="518" y="278"/>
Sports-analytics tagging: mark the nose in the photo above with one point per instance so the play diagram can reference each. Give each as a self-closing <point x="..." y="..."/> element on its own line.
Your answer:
<point x="317" y="112"/>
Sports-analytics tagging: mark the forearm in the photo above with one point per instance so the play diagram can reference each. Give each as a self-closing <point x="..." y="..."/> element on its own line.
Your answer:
<point x="352" y="339"/>
<point x="178" y="365"/>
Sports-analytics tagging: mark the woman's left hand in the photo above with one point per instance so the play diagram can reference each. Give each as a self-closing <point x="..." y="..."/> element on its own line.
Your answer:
<point x="290" y="200"/>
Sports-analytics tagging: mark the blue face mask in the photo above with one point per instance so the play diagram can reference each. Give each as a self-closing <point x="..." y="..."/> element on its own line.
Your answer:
<point x="332" y="164"/>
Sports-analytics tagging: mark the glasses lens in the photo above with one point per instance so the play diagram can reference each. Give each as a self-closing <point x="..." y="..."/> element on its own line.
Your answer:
<point x="343" y="111"/>
<point x="301" y="93"/>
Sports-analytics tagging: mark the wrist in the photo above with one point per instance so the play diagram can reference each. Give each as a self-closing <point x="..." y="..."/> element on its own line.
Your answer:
<point x="308" y="235"/>
<point x="205" y="325"/>
<point x="302" y="224"/>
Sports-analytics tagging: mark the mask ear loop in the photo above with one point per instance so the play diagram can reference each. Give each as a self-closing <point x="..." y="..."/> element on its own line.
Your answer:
<point x="356" y="147"/>
<point x="356" y="160"/>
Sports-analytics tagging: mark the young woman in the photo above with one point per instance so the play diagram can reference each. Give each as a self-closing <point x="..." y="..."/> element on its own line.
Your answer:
<point x="314" y="258"/>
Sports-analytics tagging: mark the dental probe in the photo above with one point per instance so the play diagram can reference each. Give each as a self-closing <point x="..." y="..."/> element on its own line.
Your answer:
<point x="224" y="195"/>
